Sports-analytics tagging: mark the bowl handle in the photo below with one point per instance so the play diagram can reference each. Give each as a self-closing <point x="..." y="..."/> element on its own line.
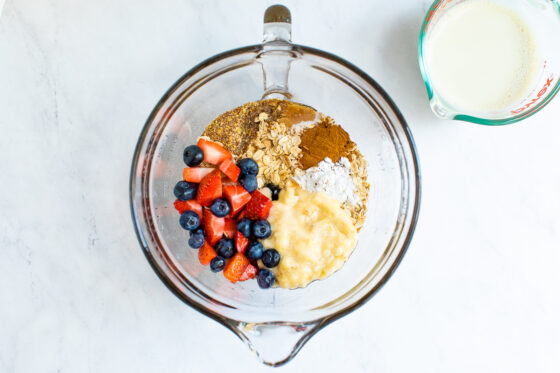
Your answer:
<point x="277" y="24"/>
<point x="277" y="52"/>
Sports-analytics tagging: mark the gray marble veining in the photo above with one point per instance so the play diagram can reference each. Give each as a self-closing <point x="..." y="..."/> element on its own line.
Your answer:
<point x="476" y="291"/>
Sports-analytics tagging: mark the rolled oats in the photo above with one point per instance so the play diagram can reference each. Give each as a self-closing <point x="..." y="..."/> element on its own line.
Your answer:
<point x="276" y="152"/>
<point x="359" y="176"/>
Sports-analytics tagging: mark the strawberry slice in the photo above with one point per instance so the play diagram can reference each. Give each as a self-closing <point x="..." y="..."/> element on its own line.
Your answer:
<point x="196" y="174"/>
<point x="206" y="253"/>
<point x="241" y="242"/>
<point x="213" y="153"/>
<point x="210" y="188"/>
<point x="235" y="267"/>
<point x="250" y="272"/>
<point x="180" y="206"/>
<point x="190" y="205"/>
<point x="227" y="182"/>
<point x="213" y="226"/>
<point x="241" y="215"/>
<point x="230" y="169"/>
<point x="230" y="227"/>
<point x="258" y="207"/>
<point x="237" y="197"/>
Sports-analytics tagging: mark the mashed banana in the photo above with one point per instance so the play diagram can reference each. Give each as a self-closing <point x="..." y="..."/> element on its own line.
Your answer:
<point x="312" y="232"/>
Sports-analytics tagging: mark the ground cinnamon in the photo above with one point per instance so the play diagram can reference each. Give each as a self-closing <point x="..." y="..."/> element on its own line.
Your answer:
<point x="325" y="139"/>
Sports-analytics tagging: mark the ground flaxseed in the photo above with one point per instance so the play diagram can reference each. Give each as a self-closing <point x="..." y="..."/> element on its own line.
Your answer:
<point x="237" y="128"/>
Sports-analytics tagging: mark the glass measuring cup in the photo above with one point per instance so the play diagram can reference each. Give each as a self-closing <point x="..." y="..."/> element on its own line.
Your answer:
<point x="543" y="18"/>
<point x="276" y="323"/>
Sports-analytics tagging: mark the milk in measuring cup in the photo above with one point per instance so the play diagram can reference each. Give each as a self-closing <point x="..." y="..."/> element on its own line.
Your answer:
<point x="481" y="57"/>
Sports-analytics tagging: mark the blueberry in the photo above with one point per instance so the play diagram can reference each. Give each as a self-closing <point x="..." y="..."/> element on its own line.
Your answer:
<point x="220" y="207"/>
<point x="244" y="227"/>
<point x="189" y="220"/>
<point x="225" y="248"/>
<point x="261" y="229"/>
<point x="271" y="258"/>
<point x="184" y="190"/>
<point x="265" y="278"/>
<point x="249" y="182"/>
<point x="198" y="230"/>
<point x="196" y="240"/>
<point x="254" y="250"/>
<point x="274" y="191"/>
<point x="193" y="156"/>
<point x="217" y="264"/>
<point x="248" y="167"/>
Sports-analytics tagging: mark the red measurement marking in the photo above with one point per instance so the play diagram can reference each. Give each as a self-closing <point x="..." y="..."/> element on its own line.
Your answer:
<point x="438" y="7"/>
<point x="541" y="93"/>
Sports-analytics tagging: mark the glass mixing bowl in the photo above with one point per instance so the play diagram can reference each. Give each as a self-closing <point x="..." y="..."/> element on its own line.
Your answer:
<point x="276" y="323"/>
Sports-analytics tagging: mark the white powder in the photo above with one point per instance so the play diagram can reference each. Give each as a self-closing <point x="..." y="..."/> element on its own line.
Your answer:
<point x="299" y="127"/>
<point x="334" y="179"/>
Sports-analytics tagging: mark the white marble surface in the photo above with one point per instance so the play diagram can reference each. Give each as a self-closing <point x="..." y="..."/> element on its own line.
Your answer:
<point x="477" y="291"/>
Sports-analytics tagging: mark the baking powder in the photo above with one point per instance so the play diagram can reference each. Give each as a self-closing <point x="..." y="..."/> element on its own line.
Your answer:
<point x="334" y="179"/>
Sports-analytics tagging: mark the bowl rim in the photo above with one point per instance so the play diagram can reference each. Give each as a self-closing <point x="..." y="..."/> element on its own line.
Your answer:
<point x="322" y="321"/>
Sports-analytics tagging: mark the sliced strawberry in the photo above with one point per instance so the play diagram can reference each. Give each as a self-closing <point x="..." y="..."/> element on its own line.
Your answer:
<point x="180" y="206"/>
<point x="213" y="153"/>
<point x="213" y="226"/>
<point x="190" y="205"/>
<point x="230" y="169"/>
<point x="227" y="182"/>
<point x="237" y="197"/>
<point x="241" y="215"/>
<point x="230" y="227"/>
<point x="258" y="207"/>
<point x="209" y="188"/>
<point x="241" y="242"/>
<point x="250" y="272"/>
<point x="206" y="253"/>
<point x="196" y="174"/>
<point x="235" y="267"/>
